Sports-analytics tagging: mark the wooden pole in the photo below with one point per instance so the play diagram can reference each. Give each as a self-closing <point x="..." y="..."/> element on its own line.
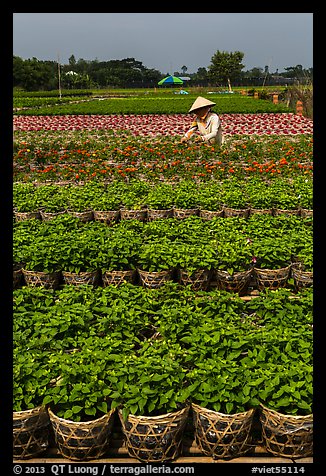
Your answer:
<point x="59" y="77"/>
<point x="275" y="98"/>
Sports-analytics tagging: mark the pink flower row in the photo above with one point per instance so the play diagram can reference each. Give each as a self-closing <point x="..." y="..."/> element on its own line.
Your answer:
<point x="169" y="124"/>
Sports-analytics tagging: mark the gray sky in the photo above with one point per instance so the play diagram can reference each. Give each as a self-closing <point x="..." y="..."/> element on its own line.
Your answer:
<point x="167" y="41"/>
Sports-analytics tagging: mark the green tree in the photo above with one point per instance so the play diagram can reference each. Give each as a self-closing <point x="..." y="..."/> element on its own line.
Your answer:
<point x="225" y="67"/>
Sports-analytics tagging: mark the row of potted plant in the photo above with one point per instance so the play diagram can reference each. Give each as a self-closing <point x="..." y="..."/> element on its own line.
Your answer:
<point x="231" y="244"/>
<point x="280" y="193"/>
<point x="171" y="343"/>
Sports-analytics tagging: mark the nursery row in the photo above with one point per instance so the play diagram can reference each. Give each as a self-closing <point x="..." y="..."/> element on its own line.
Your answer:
<point x="164" y="124"/>
<point x="254" y="193"/>
<point x="157" y="105"/>
<point x="84" y="350"/>
<point x="103" y="156"/>
<point x="233" y="244"/>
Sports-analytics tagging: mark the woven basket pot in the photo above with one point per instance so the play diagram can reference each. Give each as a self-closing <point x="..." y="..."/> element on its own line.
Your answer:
<point x="157" y="214"/>
<point x="30" y="432"/>
<point x="84" y="277"/>
<point x="237" y="282"/>
<point x="280" y="211"/>
<point x="82" y="440"/>
<point x="286" y="435"/>
<point x="302" y="279"/>
<point x="199" y="280"/>
<point x="17" y="277"/>
<point x="140" y="215"/>
<point x="182" y="213"/>
<point x="40" y="278"/>
<point x="154" y="279"/>
<point x="220" y="435"/>
<point x="209" y="214"/>
<point x="271" y="278"/>
<point x="236" y="212"/>
<point x="154" y="439"/>
<point x="118" y="277"/>
<point x="20" y="216"/>
<point x="108" y="217"/>
<point x="84" y="216"/>
<point x="46" y="216"/>
<point x="261" y="211"/>
<point x="306" y="212"/>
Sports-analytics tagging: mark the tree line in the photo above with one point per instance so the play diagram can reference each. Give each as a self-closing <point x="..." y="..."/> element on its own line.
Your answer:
<point x="225" y="68"/>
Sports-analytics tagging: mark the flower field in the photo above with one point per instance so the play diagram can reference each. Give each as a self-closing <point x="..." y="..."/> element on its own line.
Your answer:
<point x="231" y="341"/>
<point x="168" y="124"/>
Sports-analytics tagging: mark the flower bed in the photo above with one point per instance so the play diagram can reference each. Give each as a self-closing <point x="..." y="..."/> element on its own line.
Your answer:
<point x="168" y="124"/>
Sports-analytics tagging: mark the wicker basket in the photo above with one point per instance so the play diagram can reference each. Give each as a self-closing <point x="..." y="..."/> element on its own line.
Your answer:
<point x="157" y="214"/>
<point x="154" y="279"/>
<point x="183" y="213"/>
<point x="46" y="216"/>
<point x="154" y="439"/>
<point x="30" y="432"/>
<point x="287" y="435"/>
<point x="271" y="278"/>
<point x="108" y="217"/>
<point x="261" y="211"/>
<point x="82" y="440"/>
<point x="199" y="280"/>
<point x="237" y="282"/>
<point x="236" y="212"/>
<point x="84" y="277"/>
<point x="17" y="277"/>
<point x="279" y="211"/>
<point x="140" y="215"/>
<point x="84" y="216"/>
<point x="220" y="435"/>
<point x="40" y="278"/>
<point x="306" y="213"/>
<point x="302" y="279"/>
<point x="209" y="214"/>
<point x="118" y="277"/>
<point x="20" y="216"/>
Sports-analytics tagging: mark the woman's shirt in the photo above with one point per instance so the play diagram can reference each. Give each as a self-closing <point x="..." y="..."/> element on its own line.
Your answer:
<point x="210" y="128"/>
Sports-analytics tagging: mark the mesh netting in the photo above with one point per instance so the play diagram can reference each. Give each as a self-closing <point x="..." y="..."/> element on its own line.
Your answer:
<point x="82" y="440"/>
<point x="154" y="439"/>
<point x="287" y="435"/>
<point x="220" y="435"/>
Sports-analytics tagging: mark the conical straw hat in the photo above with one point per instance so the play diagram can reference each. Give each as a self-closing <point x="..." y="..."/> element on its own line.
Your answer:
<point x="201" y="102"/>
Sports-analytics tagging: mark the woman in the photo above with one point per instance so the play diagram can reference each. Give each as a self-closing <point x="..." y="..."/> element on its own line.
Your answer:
<point x="207" y="123"/>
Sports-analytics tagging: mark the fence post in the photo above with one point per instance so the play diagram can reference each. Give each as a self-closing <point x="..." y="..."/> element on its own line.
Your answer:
<point x="275" y="98"/>
<point x="256" y="95"/>
<point x="299" y="108"/>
